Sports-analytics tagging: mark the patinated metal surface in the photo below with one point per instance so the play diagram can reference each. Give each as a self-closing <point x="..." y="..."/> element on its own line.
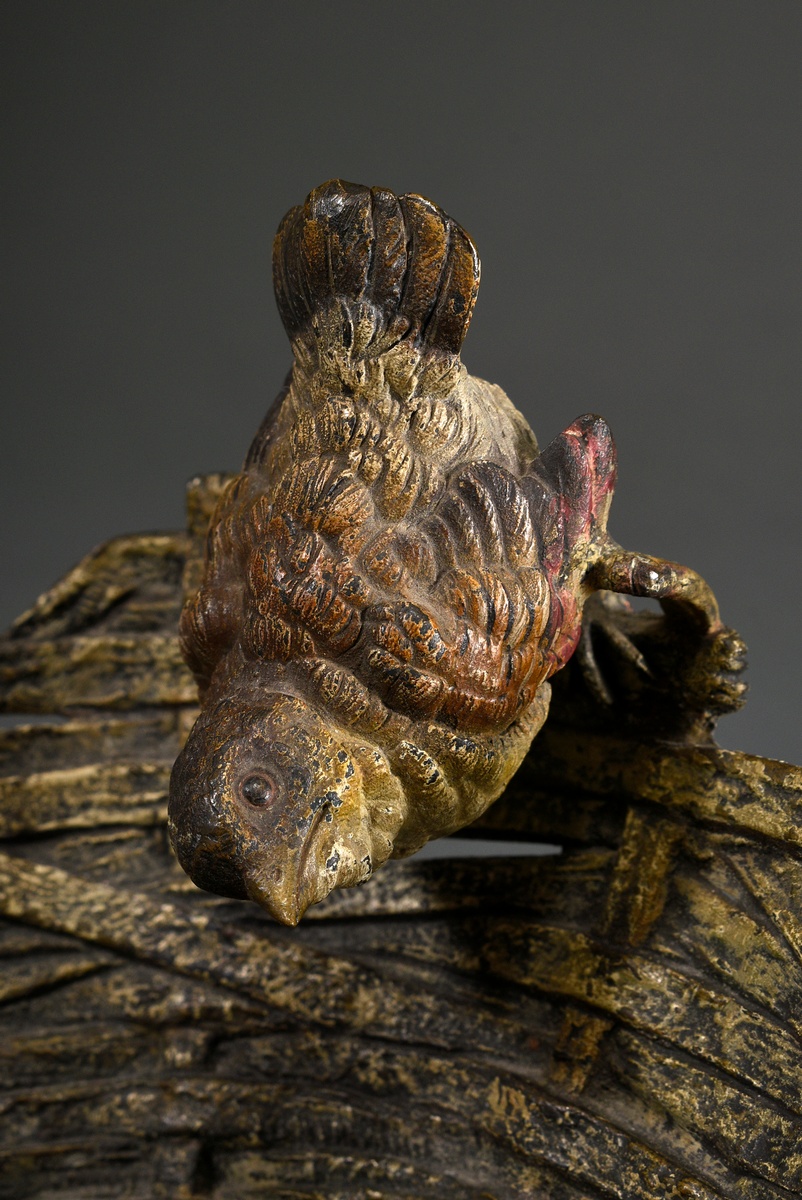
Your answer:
<point x="623" y="1020"/>
<point x="395" y="575"/>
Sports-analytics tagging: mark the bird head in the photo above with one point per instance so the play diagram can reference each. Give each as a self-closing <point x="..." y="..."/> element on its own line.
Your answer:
<point x="269" y="801"/>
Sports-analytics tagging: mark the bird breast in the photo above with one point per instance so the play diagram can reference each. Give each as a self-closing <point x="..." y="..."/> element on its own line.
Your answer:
<point x="361" y="536"/>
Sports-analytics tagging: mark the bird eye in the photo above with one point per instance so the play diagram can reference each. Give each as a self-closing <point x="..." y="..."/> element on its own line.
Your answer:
<point x="257" y="789"/>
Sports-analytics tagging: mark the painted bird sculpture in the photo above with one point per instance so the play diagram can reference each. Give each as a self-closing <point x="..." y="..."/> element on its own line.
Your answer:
<point x="392" y="578"/>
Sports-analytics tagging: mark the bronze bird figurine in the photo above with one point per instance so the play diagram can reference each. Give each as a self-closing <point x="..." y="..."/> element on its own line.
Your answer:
<point x="393" y="576"/>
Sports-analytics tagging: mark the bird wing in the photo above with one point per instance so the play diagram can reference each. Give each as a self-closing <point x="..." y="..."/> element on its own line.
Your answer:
<point x="458" y="615"/>
<point x="461" y="644"/>
<point x="211" y="618"/>
<point x="503" y="610"/>
<point x="570" y="488"/>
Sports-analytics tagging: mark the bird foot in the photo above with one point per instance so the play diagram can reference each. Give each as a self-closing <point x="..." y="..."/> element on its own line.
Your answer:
<point x="647" y="670"/>
<point x="602" y="620"/>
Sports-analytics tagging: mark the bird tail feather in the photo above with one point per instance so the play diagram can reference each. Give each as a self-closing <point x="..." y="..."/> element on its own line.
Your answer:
<point x="401" y="256"/>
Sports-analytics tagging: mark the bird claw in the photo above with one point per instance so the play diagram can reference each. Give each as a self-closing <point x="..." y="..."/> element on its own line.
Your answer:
<point x="652" y="672"/>
<point x="713" y="681"/>
<point x="602" y="616"/>
<point x="606" y="641"/>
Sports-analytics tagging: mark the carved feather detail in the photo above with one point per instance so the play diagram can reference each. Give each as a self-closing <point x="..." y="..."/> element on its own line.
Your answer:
<point x="394" y="575"/>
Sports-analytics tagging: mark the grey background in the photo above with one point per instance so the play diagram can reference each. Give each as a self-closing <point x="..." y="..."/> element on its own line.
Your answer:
<point x="630" y="171"/>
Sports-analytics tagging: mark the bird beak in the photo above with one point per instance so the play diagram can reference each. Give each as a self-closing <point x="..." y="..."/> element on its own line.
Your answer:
<point x="286" y="889"/>
<point x="284" y="902"/>
<point x="288" y="898"/>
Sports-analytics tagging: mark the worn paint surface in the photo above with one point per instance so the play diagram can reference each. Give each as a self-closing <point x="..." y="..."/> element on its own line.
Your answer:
<point x="622" y="1021"/>
<point x="395" y="575"/>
